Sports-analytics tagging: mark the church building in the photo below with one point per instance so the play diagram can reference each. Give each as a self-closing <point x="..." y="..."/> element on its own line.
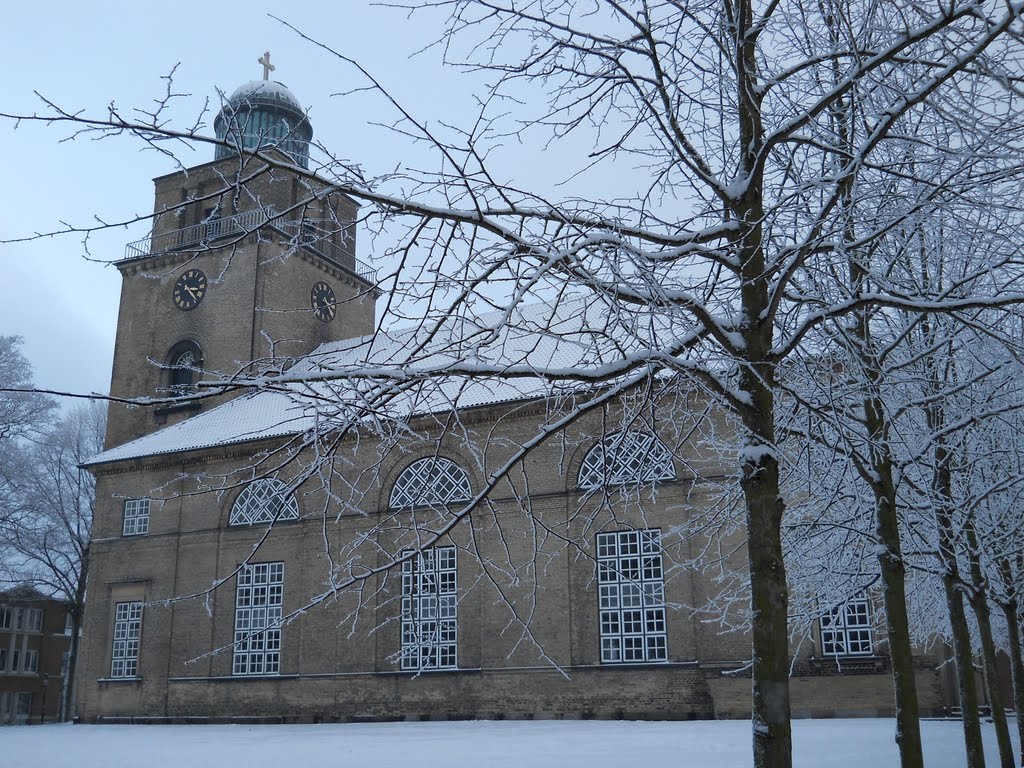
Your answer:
<point x="277" y="554"/>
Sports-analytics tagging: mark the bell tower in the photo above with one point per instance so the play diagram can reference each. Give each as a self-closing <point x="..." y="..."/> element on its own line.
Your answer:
<point x="250" y="263"/>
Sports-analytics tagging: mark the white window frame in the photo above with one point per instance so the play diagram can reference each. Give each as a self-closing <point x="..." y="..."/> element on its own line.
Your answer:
<point x="626" y="458"/>
<point x="632" y="621"/>
<point x="35" y="620"/>
<point x="30" y="661"/>
<point x="136" y="517"/>
<point x="264" y="501"/>
<point x="5" y="617"/>
<point x="846" y="630"/>
<point x="259" y="597"/>
<point x="124" y="652"/>
<point x="431" y="482"/>
<point x="430" y="608"/>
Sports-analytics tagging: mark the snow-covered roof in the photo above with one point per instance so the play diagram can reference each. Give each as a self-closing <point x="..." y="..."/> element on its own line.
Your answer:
<point x="252" y="416"/>
<point x="272" y="91"/>
<point x="456" y="362"/>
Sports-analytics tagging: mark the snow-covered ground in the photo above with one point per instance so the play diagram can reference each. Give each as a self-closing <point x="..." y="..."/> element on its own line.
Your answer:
<point x="539" y="744"/>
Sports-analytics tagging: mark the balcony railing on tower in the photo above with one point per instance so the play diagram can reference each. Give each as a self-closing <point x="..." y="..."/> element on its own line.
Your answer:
<point x="310" y="234"/>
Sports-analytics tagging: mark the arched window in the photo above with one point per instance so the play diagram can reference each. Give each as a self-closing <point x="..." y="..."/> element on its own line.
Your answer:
<point x="430" y="482"/>
<point x="183" y="363"/>
<point x="626" y="458"/>
<point x="264" y="501"/>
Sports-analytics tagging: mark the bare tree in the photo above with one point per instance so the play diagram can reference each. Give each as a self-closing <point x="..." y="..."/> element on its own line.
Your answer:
<point x="22" y="410"/>
<point x="51" y="507"/>
<point x="713" y="274"/>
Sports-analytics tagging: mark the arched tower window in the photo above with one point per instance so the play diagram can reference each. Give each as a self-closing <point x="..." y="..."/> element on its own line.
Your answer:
<point x="264" y="501"/>
<point x="430" y="482"/>
<point x="626" y="458"/>
<point x="183" y="364"/>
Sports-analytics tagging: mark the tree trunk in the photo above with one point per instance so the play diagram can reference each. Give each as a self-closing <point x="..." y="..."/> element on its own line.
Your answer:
<point x="979" y="603"/>
<point x="769" y="601"/>
<point x="769" y="592"/>
<point x="890" y="554"/>
<point x="961" y="636"/>
<point x="67" y="703"/>
<point x="890" y="558"/>
<point x="759" y="466"/>
<point x="1010" y="612"/>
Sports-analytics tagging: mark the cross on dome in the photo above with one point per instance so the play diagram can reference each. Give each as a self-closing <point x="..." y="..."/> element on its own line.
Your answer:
<point x="267" y="66"/>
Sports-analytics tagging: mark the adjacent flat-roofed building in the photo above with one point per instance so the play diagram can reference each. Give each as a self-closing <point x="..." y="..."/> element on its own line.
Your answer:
<point x="33" y="656"/>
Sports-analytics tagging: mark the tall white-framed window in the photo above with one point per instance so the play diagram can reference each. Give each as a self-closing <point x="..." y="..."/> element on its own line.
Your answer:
<point x="35" y="620"/>
<point x="264" y="501"/>
<point x="30" y="663"/>
<point x="430" y="482"/>
<point x="631" y="597"/>
<point x="258" y="600"/>
<point x="6" y="615"/>
<point x="846" y="629"/>
<point x="430" y="610"/>
<point x="124" y="657"/>
<point x="626" y="458"/>
<point x="136" y="517"/>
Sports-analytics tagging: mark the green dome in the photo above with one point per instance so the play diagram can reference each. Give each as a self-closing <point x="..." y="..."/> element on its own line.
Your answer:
<point x="261" y="114"/>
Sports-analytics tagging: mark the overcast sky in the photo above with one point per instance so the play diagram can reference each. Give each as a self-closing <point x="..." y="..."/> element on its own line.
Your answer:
<point x="83" y="56"/>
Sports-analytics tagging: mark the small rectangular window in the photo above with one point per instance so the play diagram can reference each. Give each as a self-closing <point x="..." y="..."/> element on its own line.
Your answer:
<point x="136" y="517"/>
<point x="31" y="662"/>
<point x="19" y="618"/>
<point x="3" y="659"/>
<point x="5" y="618"/>
<point x="124" y="657"/>
<point x="35" y="620"/>
<point x="846" y="629"/>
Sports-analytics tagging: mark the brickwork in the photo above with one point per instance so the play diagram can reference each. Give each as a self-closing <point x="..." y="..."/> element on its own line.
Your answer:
<point x="527" y="611"/>
<point x="257" y="307"/>
<point x="529" y="628"/>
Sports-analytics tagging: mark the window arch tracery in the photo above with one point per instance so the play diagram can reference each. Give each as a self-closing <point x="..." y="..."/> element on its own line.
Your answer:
<point x="183" y="363"/>
<point x="626" y="458"/>
<point x="264" y="501"/>
<point x="430" y="482"/>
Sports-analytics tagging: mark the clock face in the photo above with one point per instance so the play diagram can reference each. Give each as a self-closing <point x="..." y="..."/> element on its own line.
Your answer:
<point x="189" y="289"/>
<point x="323" y="302"/>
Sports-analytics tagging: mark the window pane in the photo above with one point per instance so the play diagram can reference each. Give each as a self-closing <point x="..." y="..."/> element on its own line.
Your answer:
<point x="845" y="630"/>
<point x="631" y="597"/>
<point x="430" y="610"/>
<point x="626" y="458"/>
<point x="431" y="482"/>
<point x="264" y="501"/>
<point x="127" y="632"/>
<point x="258" y="609"/>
